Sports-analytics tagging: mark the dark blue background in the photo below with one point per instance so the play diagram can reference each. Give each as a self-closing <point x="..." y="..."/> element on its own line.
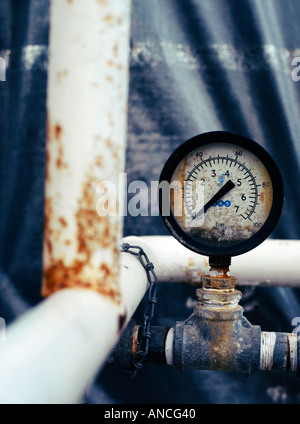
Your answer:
<point x="196" y="66"/>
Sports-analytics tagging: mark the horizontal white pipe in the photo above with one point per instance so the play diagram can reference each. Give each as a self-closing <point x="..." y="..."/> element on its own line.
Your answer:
<point x="273" y="263"/>
<point x="52" y="353"/>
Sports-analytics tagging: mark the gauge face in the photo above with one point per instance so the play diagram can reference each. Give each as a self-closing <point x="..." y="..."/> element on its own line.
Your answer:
<point x="223" y="196"/>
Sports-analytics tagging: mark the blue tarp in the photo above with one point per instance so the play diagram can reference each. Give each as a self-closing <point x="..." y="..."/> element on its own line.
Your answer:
<point x="196" y="66"/>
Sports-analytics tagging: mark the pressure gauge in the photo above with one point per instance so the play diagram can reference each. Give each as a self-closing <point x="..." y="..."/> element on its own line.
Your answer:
<point x="221" y="194"/>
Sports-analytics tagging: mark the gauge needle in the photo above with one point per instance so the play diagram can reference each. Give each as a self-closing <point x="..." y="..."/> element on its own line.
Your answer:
<point x="224" y="190"/>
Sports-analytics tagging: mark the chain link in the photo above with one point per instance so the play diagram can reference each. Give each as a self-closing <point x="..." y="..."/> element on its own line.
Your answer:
<point x="140" y="355"/>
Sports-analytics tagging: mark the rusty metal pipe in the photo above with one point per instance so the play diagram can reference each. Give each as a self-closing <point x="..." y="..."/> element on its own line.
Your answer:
<point x="217" y="336"/>
<point x="273" y="263"/>
<point x="279" y="351"/>
<point x="216" y="340"/>
<point x="231" y="344"/>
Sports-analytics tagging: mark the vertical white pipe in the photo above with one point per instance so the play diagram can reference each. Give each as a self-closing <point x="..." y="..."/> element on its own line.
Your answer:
<point x="87" y="117"/>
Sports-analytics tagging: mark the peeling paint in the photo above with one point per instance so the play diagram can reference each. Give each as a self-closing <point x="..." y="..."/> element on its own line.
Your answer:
<point x="93" y="232"/>
<point x="268" y="341"/>
<point x="220" y="348"/>
<point x="221" y="281"/>
<point x="61" y="74"/>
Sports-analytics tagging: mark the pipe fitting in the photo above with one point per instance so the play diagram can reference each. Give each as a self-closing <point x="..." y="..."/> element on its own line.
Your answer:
<point x="279" y="351"/>
<point x="221" y="299"/>
<point x="220" y="281"/>
<point x="217" y="337"/>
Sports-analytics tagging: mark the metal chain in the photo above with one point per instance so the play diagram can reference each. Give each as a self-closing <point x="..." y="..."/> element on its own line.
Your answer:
<point x="140" y="355"/>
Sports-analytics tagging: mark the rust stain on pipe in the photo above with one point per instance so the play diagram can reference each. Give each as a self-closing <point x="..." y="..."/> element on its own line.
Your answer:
<point x="92" y="232"/>
<point x="81" y="248"/>
<point x="221" y="351"/>
<point x="58" y="133"/>
<point x="47" y="229"/>
<point x="55" y="132"/>
<point x="221" y="281"/>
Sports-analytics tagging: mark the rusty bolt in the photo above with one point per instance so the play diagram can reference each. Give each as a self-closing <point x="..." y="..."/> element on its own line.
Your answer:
<point x="223" y="282"/>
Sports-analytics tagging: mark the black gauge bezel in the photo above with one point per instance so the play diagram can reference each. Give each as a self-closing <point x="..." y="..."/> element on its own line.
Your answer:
<point x="237" y="248"/>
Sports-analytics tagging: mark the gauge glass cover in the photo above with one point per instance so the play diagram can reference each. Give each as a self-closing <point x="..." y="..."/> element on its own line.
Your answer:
<point x="225" y="194"/>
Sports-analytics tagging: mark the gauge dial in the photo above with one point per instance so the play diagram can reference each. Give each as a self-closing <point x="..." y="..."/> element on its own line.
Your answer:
<point x="225" y="194"/>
